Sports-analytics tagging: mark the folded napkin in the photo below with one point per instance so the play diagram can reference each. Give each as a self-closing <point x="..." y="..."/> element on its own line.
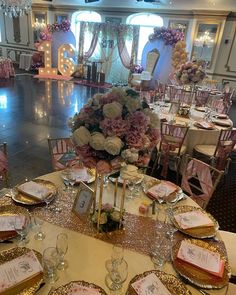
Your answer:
<point x="162" y="190"/>
<point x="150" y="284"/>
<point x="222" y="122"/>
<point x="202" y="258"/>
<point x="77" y="289"/>
<point x="7" y="222"/>
<point x="222" y="116"/>
<point x="17" y="271"/>
<point x="34" y="190"/>
<point x="204" y="125"/>
<point x="193" y="219"/>
<point x="81" y="174"/>
<point x="200" y="109"/>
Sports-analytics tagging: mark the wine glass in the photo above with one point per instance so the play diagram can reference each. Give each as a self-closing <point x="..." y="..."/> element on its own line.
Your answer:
<point x="161" y="251"/>
<point x="22" y="228"/>
<point x="191" y="115"/>
<point x="72" y="179"/>
<point x="117" y="254"/>
<point x="131" y="186"/>
<point x="40" y="235"/>
<point x="62" y="247"/>
<point x="49" y="263"/>
<point x="160" y="217"/>
<point x="117" y="274"/>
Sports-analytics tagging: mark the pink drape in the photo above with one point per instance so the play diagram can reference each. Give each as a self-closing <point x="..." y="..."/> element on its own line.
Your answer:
<point x="94" y="41"/>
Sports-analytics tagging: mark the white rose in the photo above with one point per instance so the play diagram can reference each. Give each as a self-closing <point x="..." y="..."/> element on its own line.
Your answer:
<point x="81" y="136"/>
<point x="154" y="119"/>
<point x="130" y="155"/>
<point x="97" y="141"/>
<point x="129" y="172"/>
<point x="112" y="110"/>
<point x="133" y="104"/>
<point x="113" y="145"/>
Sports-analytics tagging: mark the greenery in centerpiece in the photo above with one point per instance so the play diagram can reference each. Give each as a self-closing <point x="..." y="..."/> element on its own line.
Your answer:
<point x="109" y="220"/>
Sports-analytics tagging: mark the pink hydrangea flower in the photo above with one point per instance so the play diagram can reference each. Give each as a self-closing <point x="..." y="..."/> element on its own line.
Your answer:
<point x="139" y="121"/>
<point x="134" y="139"/>
<point x="114" y="127"/>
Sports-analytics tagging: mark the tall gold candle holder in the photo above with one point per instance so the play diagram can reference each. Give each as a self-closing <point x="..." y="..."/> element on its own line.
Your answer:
<point x="100" y="201"/>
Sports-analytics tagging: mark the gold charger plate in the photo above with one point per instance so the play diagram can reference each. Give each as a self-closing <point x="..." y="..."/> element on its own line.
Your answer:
<point x="34" y="283"/>
<point x="27" y="200"/>
<point x="65" y="290"/>
<point x="9" y="210"/>
<point x="196" y="275"/>
<point x="174" y="285"/>
<point x="91" y="172"/>
<point x="199" y="232"/>
<point x="172" y="197"/>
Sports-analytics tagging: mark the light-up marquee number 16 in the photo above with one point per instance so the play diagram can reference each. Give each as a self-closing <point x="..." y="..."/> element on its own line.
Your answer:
<point x="65" y="64"/>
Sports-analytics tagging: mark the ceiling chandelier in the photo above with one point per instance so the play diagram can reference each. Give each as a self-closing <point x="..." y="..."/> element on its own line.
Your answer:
<point x="15" y="8"/>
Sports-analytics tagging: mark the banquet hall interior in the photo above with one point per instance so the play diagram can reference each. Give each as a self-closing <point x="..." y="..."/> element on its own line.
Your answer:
<point x="118" y="146"/>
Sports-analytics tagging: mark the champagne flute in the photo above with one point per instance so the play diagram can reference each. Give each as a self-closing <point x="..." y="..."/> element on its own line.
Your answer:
<point x="131" y="186"/>
<point x="49" y="263"/>
<point x="117" y="254"/>
<point x="22" y="229"/>
<point x="40" y="235"/>
<point x="62" y="247"/>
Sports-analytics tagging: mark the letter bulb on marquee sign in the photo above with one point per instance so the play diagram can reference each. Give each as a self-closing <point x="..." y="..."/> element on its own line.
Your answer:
<point x="65" y="63"/>
<point x="46" y="47"/>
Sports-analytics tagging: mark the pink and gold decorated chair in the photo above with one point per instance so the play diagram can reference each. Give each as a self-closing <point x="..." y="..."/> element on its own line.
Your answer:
<point x="3" y="164"/>
<point x="62" y="153"/>
<point x="218" y="155"/>
<point x="200" y="180"/>
<point x="174" y="93"/>
<point x="171" y="147"/>
<point x="201" y="97"/>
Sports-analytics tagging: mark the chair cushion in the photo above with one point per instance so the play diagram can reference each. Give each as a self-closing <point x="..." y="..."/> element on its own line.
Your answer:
<point x="205" y="149"/>
<point x="175" y="152"/>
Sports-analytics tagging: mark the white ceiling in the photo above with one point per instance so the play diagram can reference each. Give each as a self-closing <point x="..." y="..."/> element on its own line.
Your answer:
<point x="226" y="5"/>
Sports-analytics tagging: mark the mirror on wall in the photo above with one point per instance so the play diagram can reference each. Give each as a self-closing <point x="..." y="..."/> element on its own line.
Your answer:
<point x="181" y="25"/>
<point x="206" y="36"/>
<point x="39" y="22"/>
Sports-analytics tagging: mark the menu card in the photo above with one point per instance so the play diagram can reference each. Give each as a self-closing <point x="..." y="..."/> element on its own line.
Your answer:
<point x="193" y="219"/>
<point x="8" y="222"/>
<point x="77" y="289"/>
<point x="150" y="285"/>
<point x="81" y="174"/>
<point x="163" y="189"/>
<point x="35" y="190"/>
<point x="203" y="258"/>
<point x="16" y="271"/>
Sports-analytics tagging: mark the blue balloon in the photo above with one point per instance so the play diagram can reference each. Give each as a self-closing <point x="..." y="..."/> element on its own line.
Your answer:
<point x="59" y="38"/>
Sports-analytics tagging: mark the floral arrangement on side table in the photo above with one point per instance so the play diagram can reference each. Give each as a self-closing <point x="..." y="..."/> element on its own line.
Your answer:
<point x="190" y="72"/>
<point x="115" y="127"/>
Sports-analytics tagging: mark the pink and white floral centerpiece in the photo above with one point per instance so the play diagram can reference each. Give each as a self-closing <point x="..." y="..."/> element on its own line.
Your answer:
<point x="115" y="127"/>
<point x="191" y="72"/>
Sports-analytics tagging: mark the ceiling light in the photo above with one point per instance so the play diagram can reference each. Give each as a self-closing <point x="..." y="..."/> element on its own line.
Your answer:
<point x="15" y="8"/>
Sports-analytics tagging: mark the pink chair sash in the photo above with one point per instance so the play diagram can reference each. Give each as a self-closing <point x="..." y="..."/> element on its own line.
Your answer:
<point x="202" y="172"/>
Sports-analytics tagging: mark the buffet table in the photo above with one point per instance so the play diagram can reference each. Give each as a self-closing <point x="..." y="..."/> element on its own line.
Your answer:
<point x="6" y="68"/>
<point x="87" y="253"/>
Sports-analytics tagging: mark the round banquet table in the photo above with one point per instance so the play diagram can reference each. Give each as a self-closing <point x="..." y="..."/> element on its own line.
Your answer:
<point x="195" y="134"/>
<point x="87" y="255"/>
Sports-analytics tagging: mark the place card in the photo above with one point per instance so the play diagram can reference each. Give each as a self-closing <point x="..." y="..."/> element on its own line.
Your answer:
<point x="203" y="258"/>
<point x="163" y="189"/>
<point x="34" y="190"/>
<point x="193" y="219"/>
<point x="151" y="285"/>
<point x="18" y="270"/>
<point x="77" y="289"/>
<point x="8" y="222"/>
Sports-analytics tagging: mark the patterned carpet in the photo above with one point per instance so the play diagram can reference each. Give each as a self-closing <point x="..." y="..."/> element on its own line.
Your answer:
<point x="223" y="203"/>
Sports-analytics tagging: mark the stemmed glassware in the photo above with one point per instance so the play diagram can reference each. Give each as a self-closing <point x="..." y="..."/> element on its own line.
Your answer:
<point x="22" y="229"/>
<point x="40" y="235"/>
<point x="62" y="247"/>
<point x="50" y="262"/>
<point x="131" y="186"/>
<point x="117" y="269"/>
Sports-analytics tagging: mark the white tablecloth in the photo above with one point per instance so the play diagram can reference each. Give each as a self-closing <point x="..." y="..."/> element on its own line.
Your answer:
<point x="25" y="61"/>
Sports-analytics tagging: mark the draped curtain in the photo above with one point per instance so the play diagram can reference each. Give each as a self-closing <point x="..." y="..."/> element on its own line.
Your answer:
<point x="114" y="46"/>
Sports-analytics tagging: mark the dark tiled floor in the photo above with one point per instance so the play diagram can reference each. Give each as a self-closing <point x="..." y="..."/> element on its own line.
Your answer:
<point x="30" y="111"/>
